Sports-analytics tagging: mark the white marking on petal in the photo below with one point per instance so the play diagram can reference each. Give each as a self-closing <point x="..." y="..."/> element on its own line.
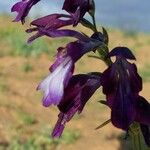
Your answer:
<point x="53" y="84"/>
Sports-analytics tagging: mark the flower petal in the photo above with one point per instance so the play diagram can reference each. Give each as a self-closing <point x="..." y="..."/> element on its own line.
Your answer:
<point x="143" y="111"/>
<point x="54" y="84"/>
<point x="59" y="127"/>
<point x="53" y="21"/>
<point x="60" y="33"/>
<point x="122" y="52"/>
<point x="123" y="110"/>
<point x="77" y="93"/>
<point x="22" y="8"/>
<point x="19" y="8"/>
<point x="121" y="85"/>
<point x="146" y="133"/>
<point x="77" y="8"/>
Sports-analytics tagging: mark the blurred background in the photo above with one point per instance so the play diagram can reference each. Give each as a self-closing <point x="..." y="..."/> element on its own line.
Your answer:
<point x="24" y="123"/>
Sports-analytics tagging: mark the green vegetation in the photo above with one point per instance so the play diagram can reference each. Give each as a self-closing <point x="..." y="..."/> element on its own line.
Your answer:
<point x="27" y="67"/>
<point x="130" y="34"/>
<point x="17" y="43"/>
<point x="145" y="73"/>
<point x="42" y="141"/>
<point x="26" y="118"/>
<point x="3" y="87"/>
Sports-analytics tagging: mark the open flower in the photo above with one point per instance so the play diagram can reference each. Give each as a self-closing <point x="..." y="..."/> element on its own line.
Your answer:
<point x="121" y="85"/>
<point x="79" y="90"/>
<point x="50" y="26"/>
<point x="53" y="21"/>
<point x="22" y="8"/>
<point x="62" y="69"/>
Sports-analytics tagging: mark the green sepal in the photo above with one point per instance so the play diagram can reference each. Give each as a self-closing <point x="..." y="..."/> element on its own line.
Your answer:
<point x="88" y="24"/>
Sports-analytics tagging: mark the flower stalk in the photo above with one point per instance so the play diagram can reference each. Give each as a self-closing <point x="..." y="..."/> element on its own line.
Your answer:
<point x="94" y="23"/>
<point x="135" y="134"/>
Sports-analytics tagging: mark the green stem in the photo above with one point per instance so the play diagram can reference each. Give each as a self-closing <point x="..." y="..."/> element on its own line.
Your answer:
<point x="88" y="24"/>
<point x="94" y="22"/>
<point x="103" y="52"/>
<point x="135" y="134"/>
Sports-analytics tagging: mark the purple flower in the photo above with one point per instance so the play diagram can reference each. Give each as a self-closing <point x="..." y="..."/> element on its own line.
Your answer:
<point x="78" y="8"/>
<point x="79" y="90"/>
<point x="121" y="85"/>
<point x="62" y="69"/>
<point x="50" y="22"/>
<point x="22" y="8"/>
<point x="53" y="85"/>
<point x="50" y="26"/>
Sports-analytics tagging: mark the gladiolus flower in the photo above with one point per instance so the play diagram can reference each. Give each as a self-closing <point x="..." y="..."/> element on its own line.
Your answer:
<point x="79" y="90"/>
<point x="62" y="69"/>
<point x="121" y="85"/>
<point x="22" y="8"/>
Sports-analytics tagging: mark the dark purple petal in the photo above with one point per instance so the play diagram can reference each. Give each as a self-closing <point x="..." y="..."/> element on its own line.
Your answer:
<point x="146" y="133"/>
<point x="57" y="34"/>
<point x="50" y="24"/>
<point x="122" y="52"/>
<point x="123" y="110"/>
<point x="103" y="37"/>
<point x="64" y="33"/>
<point x="59" y="127"/>
<point x="72" y="5"/>
<point x="143" y="111"/>
<point x="34" y="37"/>
<point x="89" y="89"/>
<point x="54" y="84"/>
<point x="76" y="17"/>
<point x="61" y="54"/>
<point x="74" y="50"/>
<point x="78" y="48"/>
<point x="109" y="79"/>
<point x="80" y="88"/>
<point x="121" y="85"/>
<point x="121" y="71"/>
<point x="22" y="8"/>
<point x="135" y="79"/>
<point x="98" y="36"/>
<point x="77" y="93"/>
<point x="53" y="21"/>
<point x="77" y="8"/>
